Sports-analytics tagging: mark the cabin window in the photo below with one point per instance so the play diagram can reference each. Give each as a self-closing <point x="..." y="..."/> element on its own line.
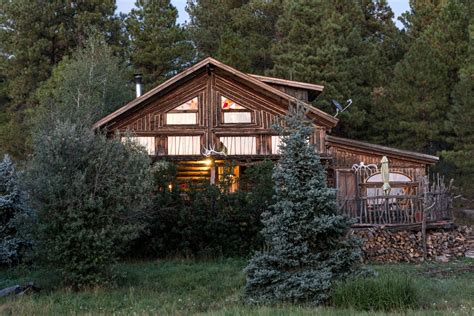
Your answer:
<point x="393" y="177"/>
<point x="185" y="114"/>
<point x="276" y="141"/>
<point x="234" y="113"/>
<point x="148" y="142"/>
<point x="229" y="176"/>
<point x="184" y="145"/>
<point x="240" y="145"/>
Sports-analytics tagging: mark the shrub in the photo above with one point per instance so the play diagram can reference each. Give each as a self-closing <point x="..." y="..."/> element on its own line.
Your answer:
<point x="385" y="293"/>
<point x="205" y="220"/>
<point x="90" y="194"/>
<point x="15" y="238"/>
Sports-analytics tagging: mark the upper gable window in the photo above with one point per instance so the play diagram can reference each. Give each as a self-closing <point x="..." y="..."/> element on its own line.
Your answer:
<point x="184" y="114"/>
<point x="234" y="113"/>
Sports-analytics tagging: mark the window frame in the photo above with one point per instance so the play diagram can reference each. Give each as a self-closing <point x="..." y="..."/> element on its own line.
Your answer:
<point x="174" y="111"/>
<point x="244" y="110"/>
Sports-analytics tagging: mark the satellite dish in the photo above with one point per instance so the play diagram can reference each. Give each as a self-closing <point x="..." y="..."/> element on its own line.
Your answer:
<point x="339" y="107"/>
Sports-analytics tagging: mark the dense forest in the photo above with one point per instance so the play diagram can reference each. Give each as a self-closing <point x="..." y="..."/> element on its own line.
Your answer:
<point x="411" y="88"/>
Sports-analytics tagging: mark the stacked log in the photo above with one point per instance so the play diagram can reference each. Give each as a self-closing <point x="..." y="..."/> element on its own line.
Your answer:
<point x="383" y="245"/>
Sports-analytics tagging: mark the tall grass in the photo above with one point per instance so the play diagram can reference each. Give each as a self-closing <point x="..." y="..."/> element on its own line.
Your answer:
<point x="382" y="293"/>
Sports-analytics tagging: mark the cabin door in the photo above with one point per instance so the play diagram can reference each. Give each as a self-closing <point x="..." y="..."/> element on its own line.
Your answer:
<point x="346" y="184"/>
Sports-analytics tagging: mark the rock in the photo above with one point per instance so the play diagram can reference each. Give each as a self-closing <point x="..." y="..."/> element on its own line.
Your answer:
<point x="443" y="259"/>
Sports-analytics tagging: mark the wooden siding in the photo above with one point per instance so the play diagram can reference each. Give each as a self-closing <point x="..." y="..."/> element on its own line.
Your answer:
<point x="150" y="119"/>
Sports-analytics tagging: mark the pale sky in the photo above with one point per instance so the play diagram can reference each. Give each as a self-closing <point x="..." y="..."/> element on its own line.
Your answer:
<point x="398" y="7"/>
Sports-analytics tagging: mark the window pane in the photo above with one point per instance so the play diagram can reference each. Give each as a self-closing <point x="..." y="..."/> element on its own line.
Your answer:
<point x="184" y="145"/>
<point x="392" y="177"/>
<point x="189" y="105"/>
<point x="237" y="117"/>
<point x="181" y="118"/>
<point x="240" y="145"/>
<point x="228" y="104"/>
<point x="147" y="142"/>
<point x="276" y="140"/>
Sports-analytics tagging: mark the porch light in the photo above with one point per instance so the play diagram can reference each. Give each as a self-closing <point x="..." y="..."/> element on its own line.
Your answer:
<point x="208" y="161"/>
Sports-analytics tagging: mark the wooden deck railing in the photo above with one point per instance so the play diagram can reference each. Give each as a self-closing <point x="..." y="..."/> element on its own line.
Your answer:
<point x="398" y="209"/>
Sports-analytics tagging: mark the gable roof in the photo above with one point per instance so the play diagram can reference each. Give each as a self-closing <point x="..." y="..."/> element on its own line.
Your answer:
<point x="289" y="83"/>
<point x="381" y="150"/>
<point x="208" y="64"/>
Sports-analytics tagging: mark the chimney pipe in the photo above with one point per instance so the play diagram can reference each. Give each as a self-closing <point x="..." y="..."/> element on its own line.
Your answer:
<point x="138" y="84"/>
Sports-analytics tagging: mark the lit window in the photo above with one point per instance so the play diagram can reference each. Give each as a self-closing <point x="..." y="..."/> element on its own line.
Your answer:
<point x="147" y="142"/>
<point x="234" y="113"/>
<point x="240" y="145"/>
<point x="276" y="141"/>
<point x="185" y="114"/>
<point x="184" y="145"/>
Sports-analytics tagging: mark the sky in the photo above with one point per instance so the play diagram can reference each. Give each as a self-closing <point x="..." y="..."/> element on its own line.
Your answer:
<point x="398" y="7"/>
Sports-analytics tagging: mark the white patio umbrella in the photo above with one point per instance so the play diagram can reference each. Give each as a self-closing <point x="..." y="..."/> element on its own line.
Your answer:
<point x="385" y="175"/>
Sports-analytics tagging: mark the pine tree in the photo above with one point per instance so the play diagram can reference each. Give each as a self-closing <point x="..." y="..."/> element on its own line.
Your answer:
<point x="15" y="237"/>
<point x="461" y="124"/>
<point x="421" y="90"/>
<point x="209" y="21"/>
<point x="303" y="230"/>
<point x="35" y="36"/>
<point x="86" y="86"/>
<point x="239" y="33"/>
<point x="159" y="48"/>
<point x="344" y="46"/>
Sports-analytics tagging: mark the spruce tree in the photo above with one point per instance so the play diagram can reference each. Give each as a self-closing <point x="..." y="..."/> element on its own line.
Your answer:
<point x="306" y="237"/>
<point x="15" y="237"/>
<point x="159" y="48"/>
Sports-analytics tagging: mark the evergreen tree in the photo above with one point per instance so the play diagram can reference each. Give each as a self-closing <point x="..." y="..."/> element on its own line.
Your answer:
<point x="90" y="194"/>
<point x="348" y="46"/>
<point x="159" y="46"/>
<point x="424" y="80"/>
<point x="422" y="13"/>
<point x="239" y="33"/>
<point x="35" y="36"/>
<point x="303" y="230"/>
<point x="85" y="87"/>
<point x="15" y="237"/>
<point x="209" y="20"/>
<point x="461" y="124"/>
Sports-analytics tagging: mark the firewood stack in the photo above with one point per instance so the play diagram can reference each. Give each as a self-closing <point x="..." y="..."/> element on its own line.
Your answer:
<point x="383" y="245"/>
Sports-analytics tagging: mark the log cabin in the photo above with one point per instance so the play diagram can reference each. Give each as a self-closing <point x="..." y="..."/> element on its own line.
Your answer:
<point x="212" y="113"/>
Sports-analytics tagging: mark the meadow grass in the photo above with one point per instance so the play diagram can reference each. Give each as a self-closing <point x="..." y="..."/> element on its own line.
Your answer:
<point x="183" y="287"/>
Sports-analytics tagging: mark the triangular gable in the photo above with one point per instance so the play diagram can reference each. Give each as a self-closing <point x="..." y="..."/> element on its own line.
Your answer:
<point x="321" y="117"/>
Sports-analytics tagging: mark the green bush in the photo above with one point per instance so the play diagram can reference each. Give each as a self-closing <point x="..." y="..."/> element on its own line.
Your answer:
<point x="385" y="293"/>
<point x="90" y="194"/>
<point x="205" y="220"/>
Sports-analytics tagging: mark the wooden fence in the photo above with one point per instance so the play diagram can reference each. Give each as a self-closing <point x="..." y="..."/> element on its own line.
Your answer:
<point x="401" y="209"/>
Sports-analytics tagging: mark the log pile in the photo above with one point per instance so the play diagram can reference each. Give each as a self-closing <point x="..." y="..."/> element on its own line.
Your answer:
<point x="383" y="245"/>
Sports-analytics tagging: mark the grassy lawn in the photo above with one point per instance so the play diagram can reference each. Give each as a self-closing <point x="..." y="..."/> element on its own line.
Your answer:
<point x="183" y="287"/>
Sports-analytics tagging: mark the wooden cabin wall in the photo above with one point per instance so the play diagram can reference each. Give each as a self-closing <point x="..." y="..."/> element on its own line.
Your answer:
<point x="343" y="159"/>
<point x="149" y="120"/>
<point x="300" y="94"/>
